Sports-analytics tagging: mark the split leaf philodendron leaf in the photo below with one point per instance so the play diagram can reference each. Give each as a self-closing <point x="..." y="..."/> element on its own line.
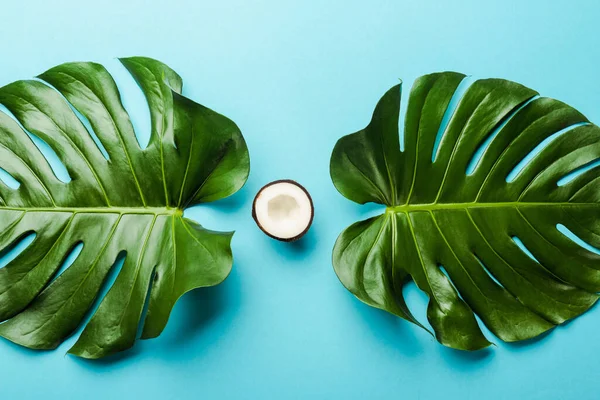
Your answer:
<point x="128" y="204"/>
<point x="473" y="209"/>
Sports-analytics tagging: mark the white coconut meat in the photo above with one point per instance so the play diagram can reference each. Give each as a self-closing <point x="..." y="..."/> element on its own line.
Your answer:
<point x="283" y="210"/>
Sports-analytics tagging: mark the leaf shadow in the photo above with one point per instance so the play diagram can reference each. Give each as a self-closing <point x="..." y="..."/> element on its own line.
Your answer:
<point x="202" y="315"/>
<point x="194" y="313"/>
<point x="530" y="342"/>
<point x="233" y="203"/>
<point x="361" y="212"/>
<point x="392" y="331"/>
<point x="27" y="352"/>
<point x="201" y="308"/>
<point x="468" y="360"/>
<point x="114" y="359"/>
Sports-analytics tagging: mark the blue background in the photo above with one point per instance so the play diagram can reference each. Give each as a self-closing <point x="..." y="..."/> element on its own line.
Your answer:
<point x="296" y="76"/>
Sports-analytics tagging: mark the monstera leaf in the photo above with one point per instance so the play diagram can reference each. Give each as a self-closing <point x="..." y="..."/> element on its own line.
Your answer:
<point x="477" y="208"/>
<point x="127" y="203"/>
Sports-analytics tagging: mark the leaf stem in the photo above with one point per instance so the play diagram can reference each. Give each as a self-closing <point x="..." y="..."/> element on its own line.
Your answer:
<point x="102" y="210"/>
<point x="460" y="206"/>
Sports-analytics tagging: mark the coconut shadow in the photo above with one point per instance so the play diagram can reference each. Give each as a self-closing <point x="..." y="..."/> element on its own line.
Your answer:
<point x="303" y="246"/>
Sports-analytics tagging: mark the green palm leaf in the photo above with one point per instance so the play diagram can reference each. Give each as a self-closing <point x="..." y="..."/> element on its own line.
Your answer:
<point x="468" y="218"/>
<point x="130" y="205"/>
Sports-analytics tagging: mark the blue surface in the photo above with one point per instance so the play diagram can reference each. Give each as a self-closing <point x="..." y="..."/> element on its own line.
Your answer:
<point x="296" y="76"/>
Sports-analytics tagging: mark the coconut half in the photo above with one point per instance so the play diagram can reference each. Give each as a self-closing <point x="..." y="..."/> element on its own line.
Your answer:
<point x="283" y="210"/>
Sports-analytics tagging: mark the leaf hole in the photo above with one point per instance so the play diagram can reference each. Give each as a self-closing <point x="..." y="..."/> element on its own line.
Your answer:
<point x="512" y="175"/>
<point x="449" y="113"/>
<point x="416" y="300"/>
<point x="146" y="304"/>
<point x="59" y="169"/>
<point x="70" y="257"/>
<point x="133" y="100"/>
<point x="111" y="277"/>
<point x="568" y="233"/>
<point x="478" y="155"/>
<point x="11" y="251"/>
<point x="480" y="323"/>
<point x="84" y="121"/>
<point x="109" y="280"/>
<point x="92" y="133"/>
<point x="524" y="248"/>
<point x="445" y="272"/>
<point x="401" y="119"/>
<point x="577" y="171"/>
<point x="486" y="269"/>
<point x="8" y="179"/>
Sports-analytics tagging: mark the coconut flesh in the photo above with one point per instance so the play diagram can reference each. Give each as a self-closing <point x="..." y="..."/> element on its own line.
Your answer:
<point x="283" y="210"/>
